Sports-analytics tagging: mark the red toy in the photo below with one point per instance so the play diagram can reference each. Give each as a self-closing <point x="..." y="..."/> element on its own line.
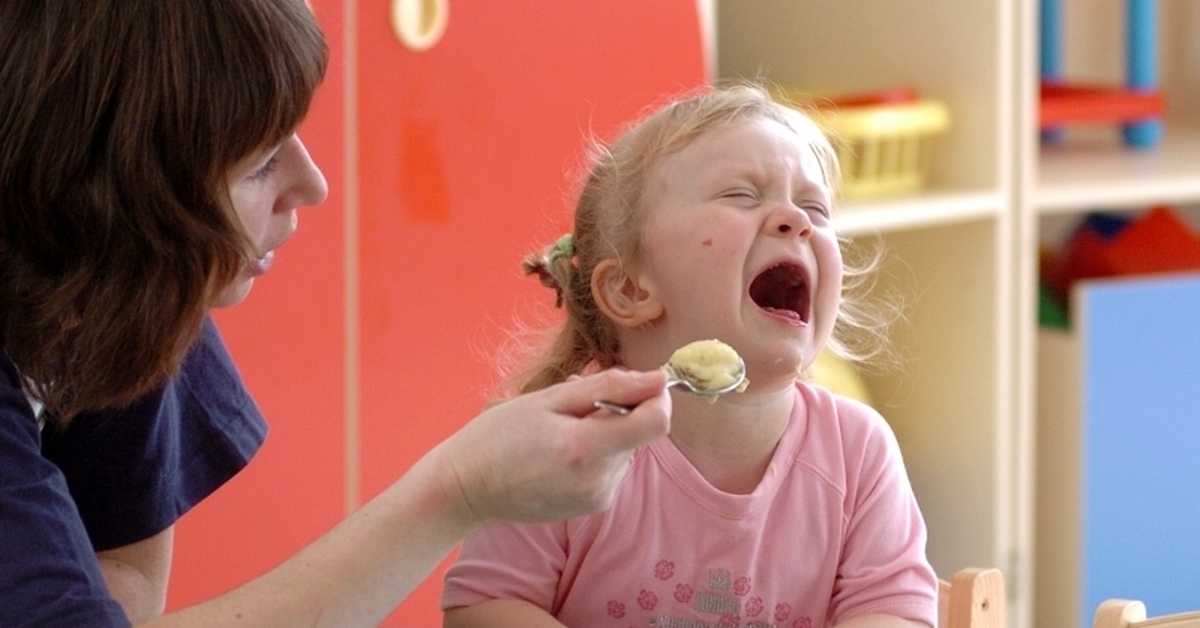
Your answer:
<point x="1157" y="242"/>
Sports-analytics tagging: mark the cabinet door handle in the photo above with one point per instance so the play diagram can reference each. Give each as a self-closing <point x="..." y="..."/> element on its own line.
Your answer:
<point x="420" y="24"/>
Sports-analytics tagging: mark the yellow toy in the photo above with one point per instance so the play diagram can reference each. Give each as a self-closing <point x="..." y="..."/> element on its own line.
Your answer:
<point x="840" y="377"/>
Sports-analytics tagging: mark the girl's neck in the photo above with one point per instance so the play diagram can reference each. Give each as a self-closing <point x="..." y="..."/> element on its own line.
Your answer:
<point x="731" y="442"/>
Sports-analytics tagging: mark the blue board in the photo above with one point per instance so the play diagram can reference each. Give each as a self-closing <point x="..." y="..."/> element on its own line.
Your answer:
<point x="1141" y="501"/>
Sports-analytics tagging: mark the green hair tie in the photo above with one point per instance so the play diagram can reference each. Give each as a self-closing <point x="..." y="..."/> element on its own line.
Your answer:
<point x="563" y="248"/>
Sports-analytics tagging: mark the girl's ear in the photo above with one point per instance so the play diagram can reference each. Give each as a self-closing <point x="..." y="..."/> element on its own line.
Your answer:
<point x="621" y="297"/>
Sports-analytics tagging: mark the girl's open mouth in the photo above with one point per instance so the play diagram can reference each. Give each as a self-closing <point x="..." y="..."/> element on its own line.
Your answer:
<point x="783" y="290"/>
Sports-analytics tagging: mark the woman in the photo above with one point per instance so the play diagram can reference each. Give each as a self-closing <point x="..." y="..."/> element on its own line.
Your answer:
<point x="149" y="167"/>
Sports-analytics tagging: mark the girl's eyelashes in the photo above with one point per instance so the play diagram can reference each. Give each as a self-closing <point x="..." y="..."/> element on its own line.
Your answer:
<point x="740" y="194"/>
<point x="819" y="208"/>
<point x="751" y="197"/>
<point x="266" y="169"/>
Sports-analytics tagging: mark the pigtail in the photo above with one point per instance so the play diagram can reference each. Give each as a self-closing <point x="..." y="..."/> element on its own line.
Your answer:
<point x="554" y="268"/>
<point x="570" y="351"/>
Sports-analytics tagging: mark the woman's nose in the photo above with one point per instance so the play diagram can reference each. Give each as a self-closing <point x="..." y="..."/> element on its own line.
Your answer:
<point x="308" y="182"/>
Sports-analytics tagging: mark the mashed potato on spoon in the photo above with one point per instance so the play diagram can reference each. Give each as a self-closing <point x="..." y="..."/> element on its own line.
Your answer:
<point x="710" y="366"/>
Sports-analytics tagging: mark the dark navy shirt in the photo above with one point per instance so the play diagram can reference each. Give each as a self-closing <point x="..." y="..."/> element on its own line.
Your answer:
<point x="110" y="478"/>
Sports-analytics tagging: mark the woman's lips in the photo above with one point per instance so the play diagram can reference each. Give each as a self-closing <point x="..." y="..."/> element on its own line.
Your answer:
<point x="260" y="265"/>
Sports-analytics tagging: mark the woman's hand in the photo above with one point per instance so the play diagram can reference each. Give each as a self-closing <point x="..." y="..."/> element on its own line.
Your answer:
<point x="549" y="454"/>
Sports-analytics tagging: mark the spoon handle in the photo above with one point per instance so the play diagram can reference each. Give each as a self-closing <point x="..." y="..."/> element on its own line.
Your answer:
<point x="617" y="408"/>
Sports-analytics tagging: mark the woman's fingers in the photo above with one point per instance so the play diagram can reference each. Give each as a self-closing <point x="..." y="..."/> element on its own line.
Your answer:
<point x="628" y="388"/>
<point x="541" y="456"/>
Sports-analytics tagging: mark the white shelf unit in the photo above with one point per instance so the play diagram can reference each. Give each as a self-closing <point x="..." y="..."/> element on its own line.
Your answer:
<point x="1099" y="173"/>
<point x="965" y="407"/>
<point x="1091" y="171"/>
<point x="953" y="405"/>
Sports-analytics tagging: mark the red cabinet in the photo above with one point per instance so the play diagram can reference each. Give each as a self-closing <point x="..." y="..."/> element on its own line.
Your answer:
<point x="373" y="337"/>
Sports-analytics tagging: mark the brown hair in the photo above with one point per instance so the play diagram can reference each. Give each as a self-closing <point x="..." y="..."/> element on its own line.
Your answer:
<point x="119" y="123"/>
<point x="610" y="212"/>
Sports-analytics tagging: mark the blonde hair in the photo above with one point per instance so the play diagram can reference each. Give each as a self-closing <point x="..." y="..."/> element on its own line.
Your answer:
<point x="611" y="210"/>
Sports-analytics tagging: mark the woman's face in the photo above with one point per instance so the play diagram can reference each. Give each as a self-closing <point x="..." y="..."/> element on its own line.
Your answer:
<point x="266" y="188"/>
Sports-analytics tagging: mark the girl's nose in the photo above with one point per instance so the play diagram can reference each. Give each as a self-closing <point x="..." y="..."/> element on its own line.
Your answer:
<point x="788" y="220"/>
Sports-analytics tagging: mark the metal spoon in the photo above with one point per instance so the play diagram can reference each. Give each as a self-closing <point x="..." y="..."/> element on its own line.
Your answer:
<point x="676" y="379"/>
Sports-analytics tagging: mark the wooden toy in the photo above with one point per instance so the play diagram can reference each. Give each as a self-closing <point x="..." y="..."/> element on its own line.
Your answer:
<point x="1138" y="106"/>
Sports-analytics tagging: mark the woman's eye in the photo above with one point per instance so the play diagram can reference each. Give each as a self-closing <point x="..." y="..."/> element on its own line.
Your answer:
<point x="266" y="170"/>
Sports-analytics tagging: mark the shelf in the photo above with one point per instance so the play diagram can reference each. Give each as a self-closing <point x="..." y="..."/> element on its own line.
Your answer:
<point x="1070" y="384"/>
<point x="948" y="252"/>
<point x="1099" y="172"/>
<point x="927" y="209"/>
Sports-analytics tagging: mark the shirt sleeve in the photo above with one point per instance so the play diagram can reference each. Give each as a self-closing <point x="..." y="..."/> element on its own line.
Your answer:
<point x="134" y="471"/>
<point x="883" y="568"/>
<point x="509" y="561"/>
<point x="49" y="575"/>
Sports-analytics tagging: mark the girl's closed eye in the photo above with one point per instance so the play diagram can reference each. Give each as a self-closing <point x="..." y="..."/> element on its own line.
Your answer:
<point x="745" y="195"/>
<point x="820" y="209"/>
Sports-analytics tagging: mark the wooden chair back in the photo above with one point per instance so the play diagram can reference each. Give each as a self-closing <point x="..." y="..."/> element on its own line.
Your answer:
<point x="1116" y="613"/>
<point x="973" y="599"/>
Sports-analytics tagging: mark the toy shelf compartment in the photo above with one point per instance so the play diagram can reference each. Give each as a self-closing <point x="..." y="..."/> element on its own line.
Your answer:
<point x="881" y="140"/>
<point x="1138" y="106"/>
<point x="1116" y="437"/>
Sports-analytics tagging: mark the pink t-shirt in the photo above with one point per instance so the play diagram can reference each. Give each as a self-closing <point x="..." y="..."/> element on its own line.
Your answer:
<point x="831" y="532"/>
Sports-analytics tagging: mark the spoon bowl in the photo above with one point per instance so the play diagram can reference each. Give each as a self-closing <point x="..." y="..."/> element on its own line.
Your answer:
<point x="681" y="380"/>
